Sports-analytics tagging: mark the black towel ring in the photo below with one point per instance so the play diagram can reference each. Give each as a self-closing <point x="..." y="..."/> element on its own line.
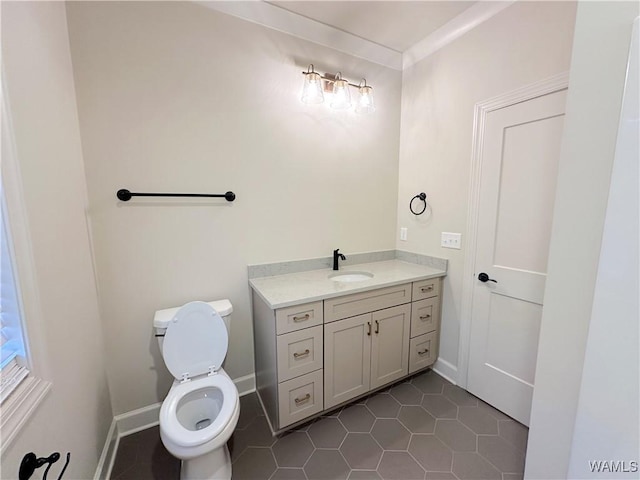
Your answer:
<point x="422" y="196"/>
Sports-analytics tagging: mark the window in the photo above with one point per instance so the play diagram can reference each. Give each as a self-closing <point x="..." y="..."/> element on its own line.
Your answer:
<point x="22" y="342"/>
<point x="13" y="367"/>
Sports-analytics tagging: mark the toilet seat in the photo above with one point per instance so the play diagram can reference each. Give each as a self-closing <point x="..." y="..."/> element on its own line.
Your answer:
<point x="196" y="341"/>
<point x="191" y="438"/>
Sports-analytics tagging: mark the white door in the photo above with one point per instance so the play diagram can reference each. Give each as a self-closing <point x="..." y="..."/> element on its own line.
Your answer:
<point x="520" y="155"/>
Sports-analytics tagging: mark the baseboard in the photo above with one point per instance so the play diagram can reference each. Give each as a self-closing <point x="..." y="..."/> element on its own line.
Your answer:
<point x="141" y="419"/>
<point x="246" y="384"/>
<point x="446" y="370"/>
<point x="108" y="453"/>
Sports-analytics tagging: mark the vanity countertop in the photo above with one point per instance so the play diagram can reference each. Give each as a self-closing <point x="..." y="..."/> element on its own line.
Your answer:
<point x="295" y="288"/>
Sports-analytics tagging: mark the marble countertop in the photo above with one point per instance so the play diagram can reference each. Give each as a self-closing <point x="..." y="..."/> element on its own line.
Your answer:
<point x="296" y="288"/>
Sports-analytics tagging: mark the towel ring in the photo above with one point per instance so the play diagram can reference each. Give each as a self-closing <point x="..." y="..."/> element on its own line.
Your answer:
<point x="421" y="196"/>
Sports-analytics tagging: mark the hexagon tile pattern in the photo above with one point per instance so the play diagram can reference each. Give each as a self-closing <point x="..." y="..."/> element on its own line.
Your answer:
<point x="421" y="428"/>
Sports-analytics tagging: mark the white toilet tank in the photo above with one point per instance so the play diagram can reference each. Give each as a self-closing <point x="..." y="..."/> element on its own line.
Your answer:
<point x="162" y="318"/>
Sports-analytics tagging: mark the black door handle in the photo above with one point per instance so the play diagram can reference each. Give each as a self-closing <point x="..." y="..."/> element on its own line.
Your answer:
<point x="483" y="277"/>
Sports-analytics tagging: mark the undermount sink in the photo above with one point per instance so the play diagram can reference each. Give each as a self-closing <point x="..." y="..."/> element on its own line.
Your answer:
<point x="349" y="277"/>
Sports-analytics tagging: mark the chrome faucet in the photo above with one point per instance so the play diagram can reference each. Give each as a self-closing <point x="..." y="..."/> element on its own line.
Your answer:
<point x="336" y="255"/>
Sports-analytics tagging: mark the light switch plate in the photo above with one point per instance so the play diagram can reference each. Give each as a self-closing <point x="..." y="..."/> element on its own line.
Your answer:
<point x="403" y="233"/>
<point x="451" y="240"/>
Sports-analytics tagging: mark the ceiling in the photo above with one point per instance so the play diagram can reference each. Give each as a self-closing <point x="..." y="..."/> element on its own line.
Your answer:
<point x="397" y="25"/>
<point x="395" y="34"/>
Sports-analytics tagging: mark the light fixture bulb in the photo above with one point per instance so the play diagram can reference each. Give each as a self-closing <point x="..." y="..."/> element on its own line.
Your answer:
<point x="341" y="96"/>
<point x="312" y="88"/>
<point x="365" y="99"/>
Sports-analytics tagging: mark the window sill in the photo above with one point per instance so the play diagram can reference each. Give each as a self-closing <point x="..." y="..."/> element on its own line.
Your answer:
<point x="19" y="406"/>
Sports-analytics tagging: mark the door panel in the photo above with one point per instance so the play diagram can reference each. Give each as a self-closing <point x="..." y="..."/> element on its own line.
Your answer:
<point x="347" y="353"/>
<point x="520" y="156"/>
<point x="390" y="345"/>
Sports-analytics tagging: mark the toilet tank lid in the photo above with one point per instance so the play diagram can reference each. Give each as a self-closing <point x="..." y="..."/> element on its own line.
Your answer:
<point x="162" y="317"/>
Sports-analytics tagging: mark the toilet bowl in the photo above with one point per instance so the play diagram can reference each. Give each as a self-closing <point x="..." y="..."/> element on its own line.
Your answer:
<point x="201" y="410"/>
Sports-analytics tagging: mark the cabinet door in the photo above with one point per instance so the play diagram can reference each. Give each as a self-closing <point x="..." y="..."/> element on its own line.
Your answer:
<point x="347" y="353"/>
<point x="390" y="344"/>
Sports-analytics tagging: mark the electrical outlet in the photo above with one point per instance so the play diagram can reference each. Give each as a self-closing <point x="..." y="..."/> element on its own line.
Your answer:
<point x="451" y="240"/>
<point x="403" y="234"/>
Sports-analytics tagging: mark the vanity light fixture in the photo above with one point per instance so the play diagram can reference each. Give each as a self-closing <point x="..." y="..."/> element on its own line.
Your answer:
<point x="337" y="88"/>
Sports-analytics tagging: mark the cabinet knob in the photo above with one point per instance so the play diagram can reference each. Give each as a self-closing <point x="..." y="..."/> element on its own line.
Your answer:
<point x="302" y="318"/>
<point x="301" y="354"/>
<point x="423" y="352"/>
<point x="303" y="399"/>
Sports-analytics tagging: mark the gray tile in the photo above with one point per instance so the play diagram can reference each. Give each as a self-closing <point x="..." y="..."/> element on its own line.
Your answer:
<point x="399" y="466"/>
<point x="431" y="453"/>
<point x="478" y="420"/>
<point x="512" y="476"/>
<point x="327" y="433"/>
<point x="357" y="418"/>
<point x="492" y="411"/>
<point x="471" y="466"/>
<point x="237" y="444"/>
<point x="406" y="394"/>
<point x="440" y="476"/>
<point x="383" y="405"/>
<point x="458" y="437"/>
<point x="254" y="463"/>
<point x="417" y="419"/>
<point x="249" y="409"/>
<point x="257" y="455"/>
<point x="439" y="407"/>
<point x="429" y="382"/>
<point x="514" y="433"/>
<point x="292" y="449"/>
<point x="361" y="451"/>
<point x="501" y="453"/>
<point x="126" y="457"/>
<point x="460" y="397"/>
<point x="364" y="475"/>
<point x="391" y="434"/>
<point x="326" y="465"/>
<point x="257" y="433"/>
<point x="289" y="474"/>
<point x="140" y="471"/>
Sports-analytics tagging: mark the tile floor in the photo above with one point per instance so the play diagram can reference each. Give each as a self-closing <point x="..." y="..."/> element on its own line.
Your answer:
<point x="422" y="428"/>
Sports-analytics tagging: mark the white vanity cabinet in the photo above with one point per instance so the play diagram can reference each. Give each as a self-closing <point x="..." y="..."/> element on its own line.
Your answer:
<point x="315" y="356"/>
<point x="365" y="352"/>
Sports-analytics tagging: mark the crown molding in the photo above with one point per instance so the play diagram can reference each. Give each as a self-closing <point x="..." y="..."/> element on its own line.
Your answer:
<point x="278" y="18"/>
<point x="452" y="30"/>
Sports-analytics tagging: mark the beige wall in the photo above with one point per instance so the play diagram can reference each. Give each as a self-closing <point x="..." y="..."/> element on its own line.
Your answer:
<point x="173" y="96"/>
<point x="76" y="413"/>
<point x="526" y="42"/>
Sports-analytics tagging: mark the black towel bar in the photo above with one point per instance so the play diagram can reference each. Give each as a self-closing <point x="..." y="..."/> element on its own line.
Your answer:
<point x="125" y="195"/>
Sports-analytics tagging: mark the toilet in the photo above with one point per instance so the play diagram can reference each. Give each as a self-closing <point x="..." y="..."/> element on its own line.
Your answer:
<point x="201" y="410"/>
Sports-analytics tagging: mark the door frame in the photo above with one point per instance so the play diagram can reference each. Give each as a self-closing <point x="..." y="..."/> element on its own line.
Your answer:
<point x="482" y="109"/>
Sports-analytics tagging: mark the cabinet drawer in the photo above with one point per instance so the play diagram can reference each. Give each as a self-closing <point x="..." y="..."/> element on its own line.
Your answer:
<point x="424" y="316"/>
<point x="359" y="303"/>
<point x="426" y="289"/>
<point x="423" y="351"/>
<point x="294" y="318"/>
<point x="299" y="352"/>
<point x="300" y="398"/>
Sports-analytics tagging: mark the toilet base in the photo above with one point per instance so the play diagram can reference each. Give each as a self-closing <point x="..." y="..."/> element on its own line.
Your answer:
<point x="215" y="465"/>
